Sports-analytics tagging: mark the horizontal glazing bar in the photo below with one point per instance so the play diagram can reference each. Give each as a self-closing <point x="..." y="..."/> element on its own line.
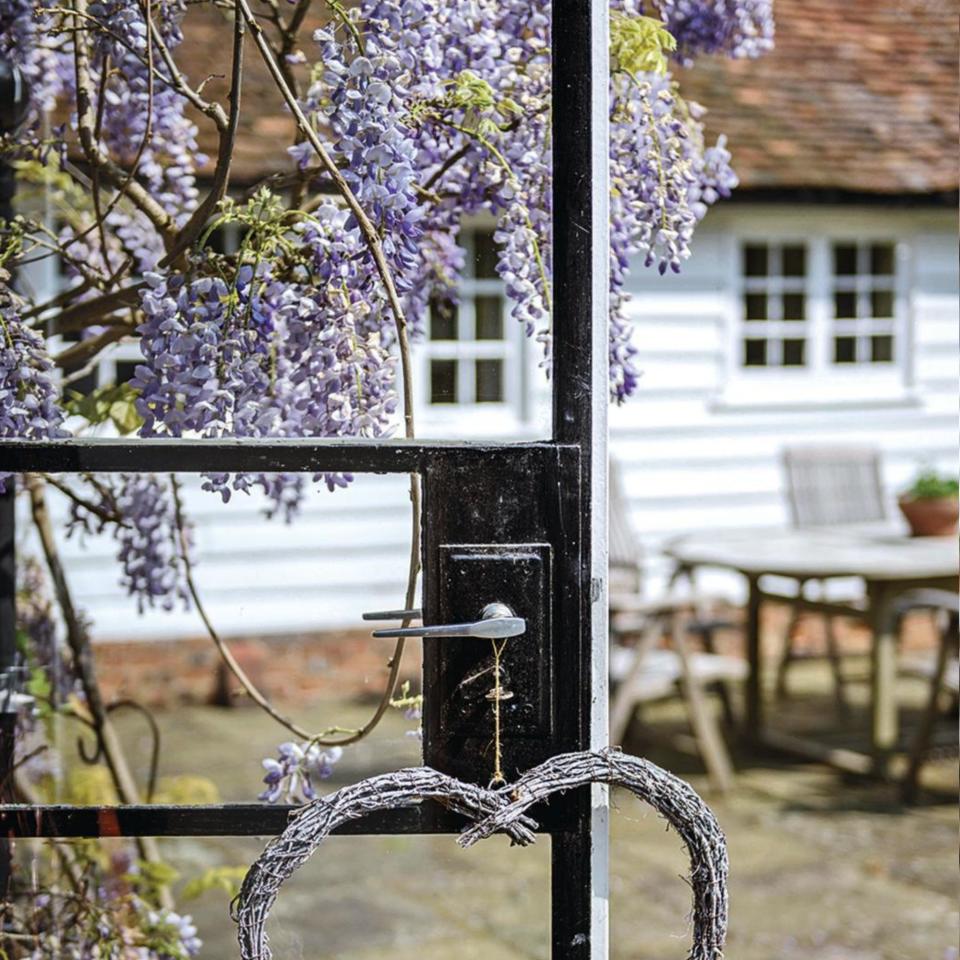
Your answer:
<point x="215" y="820"/>
<point x="220" y="820"/>
<point x="253" y="455"/>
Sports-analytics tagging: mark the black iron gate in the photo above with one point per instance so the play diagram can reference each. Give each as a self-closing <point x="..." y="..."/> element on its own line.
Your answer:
<point x="516" y="524"/>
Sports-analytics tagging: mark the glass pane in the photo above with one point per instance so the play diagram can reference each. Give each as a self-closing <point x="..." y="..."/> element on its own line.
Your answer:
<point x="881" y="259"/>
<point x="881" y="349"/>
<point x="755" y="260"/>
<point x="844" y="259"/>
<point x="793" y="353"/>
<point x="756" y="306"/>
<point x="844" y="350"/>
<point x="794" y="261"/>
<point x="85" y="384"/>
<point x="489" y="375"/>
<point x="486" y="255"/>
<point x="845" y="305"/>
<point x="794" y="306"/>
<point x="126" y="370"/>
<point x="443" y="320"/>
<point x="881" y="303"/>
<point x="443" y="381"/>
<point x="489" y="314"/>
<point x="755" y="353"/>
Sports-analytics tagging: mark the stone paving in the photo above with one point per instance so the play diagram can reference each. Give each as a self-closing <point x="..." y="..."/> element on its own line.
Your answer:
<point x="823" y="866"/>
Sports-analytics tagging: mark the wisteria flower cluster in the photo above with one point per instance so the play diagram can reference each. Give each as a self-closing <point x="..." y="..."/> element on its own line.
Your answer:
<point x="291" y="776"/>
<point x="287" y="341"/>
<point x="110" y="925"/>
<point x="139" y="511"/>
<point x="28" y="391"/>
<point x="433" y="112"/>
<point x="481" y="99"/>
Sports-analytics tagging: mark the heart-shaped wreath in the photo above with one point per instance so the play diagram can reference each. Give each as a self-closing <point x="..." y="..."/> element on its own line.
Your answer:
<point x="503" y="809"/>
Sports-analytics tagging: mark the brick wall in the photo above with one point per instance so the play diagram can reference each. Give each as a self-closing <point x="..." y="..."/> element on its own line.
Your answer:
<point x="295" y="669"/>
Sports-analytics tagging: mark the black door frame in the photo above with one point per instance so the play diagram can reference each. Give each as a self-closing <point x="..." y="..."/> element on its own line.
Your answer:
<point x="565" y="477"/>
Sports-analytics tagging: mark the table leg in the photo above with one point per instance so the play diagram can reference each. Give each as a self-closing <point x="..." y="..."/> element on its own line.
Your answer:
<point x="754" y="685"/>
<point x="884" y="720"/>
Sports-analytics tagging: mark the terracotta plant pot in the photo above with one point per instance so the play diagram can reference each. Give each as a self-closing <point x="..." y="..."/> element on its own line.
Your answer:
<point x="931" y="517"/>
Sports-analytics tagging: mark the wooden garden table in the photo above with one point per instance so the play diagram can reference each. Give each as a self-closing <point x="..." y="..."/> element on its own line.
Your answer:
<point x="888" y="563"/>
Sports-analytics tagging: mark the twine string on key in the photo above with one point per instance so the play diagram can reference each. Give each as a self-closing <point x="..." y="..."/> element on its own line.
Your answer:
<point x="497" y="695"/>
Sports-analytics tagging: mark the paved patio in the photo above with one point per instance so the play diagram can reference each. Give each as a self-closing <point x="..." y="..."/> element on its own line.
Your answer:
<point x="822" y="866"/>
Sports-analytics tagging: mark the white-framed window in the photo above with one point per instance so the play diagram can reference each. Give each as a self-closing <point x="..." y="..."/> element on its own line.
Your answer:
<point x="774" y="301"/>
<point x="863" y="284"/>
<point x="817" y="317"/>
<point x="471" y="360"/>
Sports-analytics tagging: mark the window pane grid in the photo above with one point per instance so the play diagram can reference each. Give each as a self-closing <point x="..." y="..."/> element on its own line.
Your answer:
<point x="470" y="355"/>
<point x="863" y="303"/>
<point x="774" y="305"/>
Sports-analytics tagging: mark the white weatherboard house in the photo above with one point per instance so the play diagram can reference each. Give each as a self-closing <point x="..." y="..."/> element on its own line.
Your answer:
<point x="820" y="306"/>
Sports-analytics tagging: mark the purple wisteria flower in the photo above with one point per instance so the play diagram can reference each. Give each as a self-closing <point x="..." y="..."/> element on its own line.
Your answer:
<point x="28" y="393"/>
<point x="291" y="776"/>
<point x="140" y="512"/>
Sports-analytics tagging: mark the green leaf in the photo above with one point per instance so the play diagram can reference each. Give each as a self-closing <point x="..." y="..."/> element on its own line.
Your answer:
<point x="227" y="879"/>
<point x="930" y="485"/>
<point x="639" y="44"/>
<point x="115" y="402"/>
<point x="124" y="415"/>
<point x="151" y="877"/>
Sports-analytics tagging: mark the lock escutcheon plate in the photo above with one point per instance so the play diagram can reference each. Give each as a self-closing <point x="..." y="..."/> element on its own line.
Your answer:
<point x="519" y="576"/>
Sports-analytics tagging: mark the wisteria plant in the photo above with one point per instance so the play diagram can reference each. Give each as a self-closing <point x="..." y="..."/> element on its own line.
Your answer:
<point x="406" y="118"/>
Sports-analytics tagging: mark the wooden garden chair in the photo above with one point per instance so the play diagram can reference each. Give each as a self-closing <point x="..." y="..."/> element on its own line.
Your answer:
<point x="941" y="670"/>
<point x="828" y="486"/>
<point x="645" y="670"/>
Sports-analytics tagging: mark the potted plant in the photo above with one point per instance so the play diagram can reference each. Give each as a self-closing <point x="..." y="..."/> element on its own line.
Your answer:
<point x="930" y="504"/>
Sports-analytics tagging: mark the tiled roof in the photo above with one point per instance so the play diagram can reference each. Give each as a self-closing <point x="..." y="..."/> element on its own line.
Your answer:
<point x="859" y="95"/>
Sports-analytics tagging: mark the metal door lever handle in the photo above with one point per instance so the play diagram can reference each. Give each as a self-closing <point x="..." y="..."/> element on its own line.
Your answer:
<point x="393" y="615"/>
<point x="496" y="622"/>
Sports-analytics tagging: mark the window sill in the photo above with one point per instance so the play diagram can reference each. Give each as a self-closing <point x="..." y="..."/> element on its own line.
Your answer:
<point x="813" y="394"/>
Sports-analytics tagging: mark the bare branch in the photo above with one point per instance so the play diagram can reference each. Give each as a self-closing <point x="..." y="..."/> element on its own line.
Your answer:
<point x="114" y="174"/>
<point x="78" y="640"/>
<point x="82" y="351"/>
<point x="221" y="174"/>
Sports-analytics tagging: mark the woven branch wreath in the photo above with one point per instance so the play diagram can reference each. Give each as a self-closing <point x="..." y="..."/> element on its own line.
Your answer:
<point x="504" y="810"/>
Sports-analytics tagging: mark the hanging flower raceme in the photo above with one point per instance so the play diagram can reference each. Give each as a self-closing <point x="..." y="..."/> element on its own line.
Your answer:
<point x="27" y="41"/>
<point x="284" y="343"/>
<point x="139" y="510"/>
<point x="738" y="28"/>
<point x="144" y="123"/>
<point x="291" y="776"/>
<point x="28" y="393"/>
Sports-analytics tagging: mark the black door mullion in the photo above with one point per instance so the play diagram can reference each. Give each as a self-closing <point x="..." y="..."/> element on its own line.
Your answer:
<point x="547" y="495"/>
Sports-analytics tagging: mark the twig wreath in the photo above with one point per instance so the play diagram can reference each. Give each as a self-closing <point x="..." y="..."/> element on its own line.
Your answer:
<point x="503" y="809"/>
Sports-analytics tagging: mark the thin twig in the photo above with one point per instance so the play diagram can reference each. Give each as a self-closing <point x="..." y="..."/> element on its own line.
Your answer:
<point x="105" y="515"/>
<point x="115" y="175"/>
<point x="85" y="349"/>
<point x="227" y="140"/>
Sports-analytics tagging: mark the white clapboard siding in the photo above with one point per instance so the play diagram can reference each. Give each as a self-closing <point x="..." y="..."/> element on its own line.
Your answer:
<point x="691" y="464"/>
<point x="689" y="461"/>
<point x="346" y="553"/>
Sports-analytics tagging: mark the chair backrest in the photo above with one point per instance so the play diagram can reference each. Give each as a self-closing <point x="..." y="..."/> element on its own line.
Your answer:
<point x="834" y="485"/>
<point x="626" y="557"/>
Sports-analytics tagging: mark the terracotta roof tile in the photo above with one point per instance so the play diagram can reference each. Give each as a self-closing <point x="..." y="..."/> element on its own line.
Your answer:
<point x="860" y="95"/>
